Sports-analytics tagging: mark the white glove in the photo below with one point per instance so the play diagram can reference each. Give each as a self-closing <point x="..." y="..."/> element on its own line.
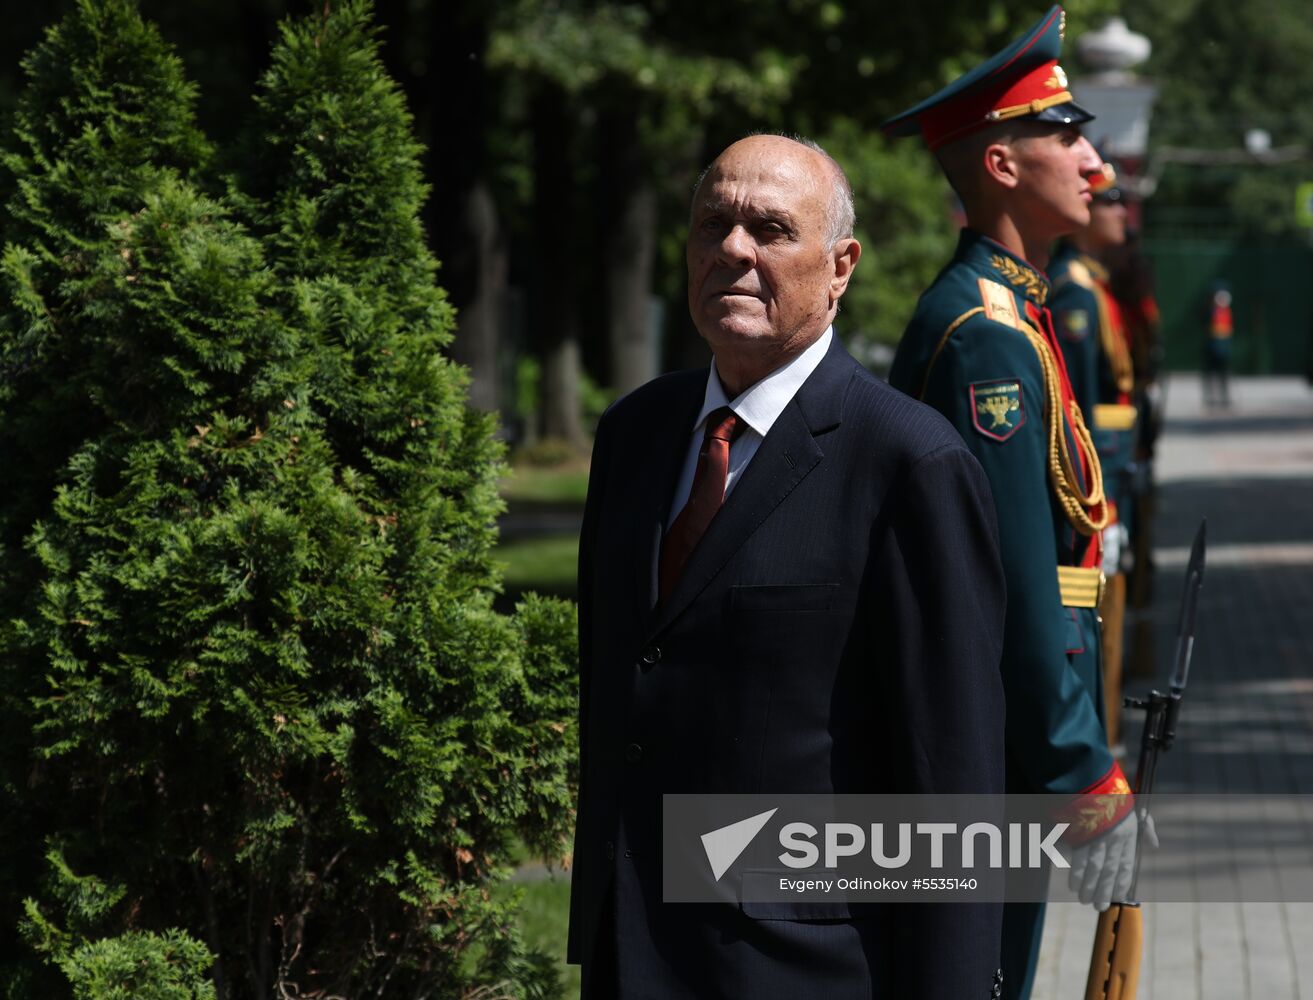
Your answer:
<point x="1101" y="870"/>
<point x="1115" y="539"/>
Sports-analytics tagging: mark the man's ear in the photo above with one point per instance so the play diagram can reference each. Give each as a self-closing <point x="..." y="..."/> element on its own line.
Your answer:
<point x="1000" y="164"/>
<point x="846" y="254"/>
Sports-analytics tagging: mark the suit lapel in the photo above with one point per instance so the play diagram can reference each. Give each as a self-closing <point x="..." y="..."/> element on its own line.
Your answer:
<point x="664" y="460"/>
<point x="786" y="456"/>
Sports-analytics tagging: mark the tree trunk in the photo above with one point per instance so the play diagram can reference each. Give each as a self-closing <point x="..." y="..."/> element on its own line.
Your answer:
<point x="562" y="416"/>
<point x="450" y="99"/>
<point x="479" y="322"/>
<point x="555" y="317"/>
<point x="629" y="219"/>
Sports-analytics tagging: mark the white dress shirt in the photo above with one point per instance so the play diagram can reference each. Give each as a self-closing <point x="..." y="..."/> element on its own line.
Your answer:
<point x="758" y="406"/>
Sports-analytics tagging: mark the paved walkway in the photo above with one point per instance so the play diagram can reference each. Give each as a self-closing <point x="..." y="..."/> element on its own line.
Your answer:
<point x="1247" y="725"/>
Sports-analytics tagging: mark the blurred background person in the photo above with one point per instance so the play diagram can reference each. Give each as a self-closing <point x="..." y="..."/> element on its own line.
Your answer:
<point x="1219" y="328"/>
<point x="1097" y="352"/>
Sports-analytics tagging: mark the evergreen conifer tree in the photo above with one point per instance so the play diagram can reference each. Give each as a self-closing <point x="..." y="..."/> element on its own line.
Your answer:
<point x="259" y="715"/>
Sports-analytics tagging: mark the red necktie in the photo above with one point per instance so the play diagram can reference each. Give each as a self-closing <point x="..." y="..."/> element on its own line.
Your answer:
<point x="704" y="499"/>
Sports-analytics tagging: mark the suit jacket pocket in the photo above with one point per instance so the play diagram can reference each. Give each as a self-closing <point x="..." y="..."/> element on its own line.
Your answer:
<point x="785" y="598"/>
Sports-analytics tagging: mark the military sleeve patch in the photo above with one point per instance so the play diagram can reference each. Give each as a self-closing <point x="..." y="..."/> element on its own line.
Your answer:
<point x="1074" y="324"/>
<point x="997" y="409"/>
<point x="999" y="302"/>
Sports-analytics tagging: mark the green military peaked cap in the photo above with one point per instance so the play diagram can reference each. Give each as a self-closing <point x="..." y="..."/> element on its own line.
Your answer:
<point x="1024" y="81"/>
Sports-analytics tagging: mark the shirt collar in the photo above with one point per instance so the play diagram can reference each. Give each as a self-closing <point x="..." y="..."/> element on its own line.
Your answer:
<point x="761" y="404"/>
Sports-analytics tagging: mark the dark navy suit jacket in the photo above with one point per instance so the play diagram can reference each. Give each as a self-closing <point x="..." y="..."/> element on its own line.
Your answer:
<point x="837" y="629"/>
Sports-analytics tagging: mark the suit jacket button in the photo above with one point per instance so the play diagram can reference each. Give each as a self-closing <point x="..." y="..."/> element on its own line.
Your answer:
<point x="610" y="851"/>
<point x="633" y="753"/>
<point x="651" y="656"/>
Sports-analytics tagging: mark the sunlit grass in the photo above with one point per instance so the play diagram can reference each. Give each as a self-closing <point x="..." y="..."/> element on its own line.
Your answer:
<point x="545" y="564"/>
<point x="544" y="919"/>
<point x="547" y="484"/>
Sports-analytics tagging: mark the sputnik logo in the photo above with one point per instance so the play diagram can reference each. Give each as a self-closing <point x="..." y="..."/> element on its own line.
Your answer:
<point x="723" y="846"/>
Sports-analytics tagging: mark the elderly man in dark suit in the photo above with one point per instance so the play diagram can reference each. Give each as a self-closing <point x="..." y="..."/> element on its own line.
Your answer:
<point x="789" y="582"/>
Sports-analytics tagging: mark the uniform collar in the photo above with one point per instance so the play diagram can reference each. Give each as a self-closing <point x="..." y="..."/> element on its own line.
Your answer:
<point x="989" y="255"/>
<point x="1069" y="251"/>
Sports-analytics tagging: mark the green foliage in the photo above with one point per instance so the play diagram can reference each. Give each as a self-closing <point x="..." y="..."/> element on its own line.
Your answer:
<point x="579" y="49"/>
<point x="1223" y="69"/>
<point x="107" y="110"/>
<point x="105" y="121"/>
<point x="251" y="679"/>
<point x="140" y="966"/>
<point x="135" y="965"/>
<point x="689" y="77"/>
<point x="85" y="900"/>
<point x="528" y="388"/>
<point x="593" y="400"/>
<point x="903" y="224"/>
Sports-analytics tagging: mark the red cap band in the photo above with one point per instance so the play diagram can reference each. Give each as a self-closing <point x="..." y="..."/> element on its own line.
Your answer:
<point x="981" y="106"/>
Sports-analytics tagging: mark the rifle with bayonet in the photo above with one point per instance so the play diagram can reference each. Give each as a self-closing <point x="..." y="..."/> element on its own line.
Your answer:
<point x="1119" y="938"/>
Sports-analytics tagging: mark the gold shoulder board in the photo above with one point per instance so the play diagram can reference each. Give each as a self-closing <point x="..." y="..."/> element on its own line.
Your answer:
<point x="1000" y="304"/>
<point x="1080" y="274"/>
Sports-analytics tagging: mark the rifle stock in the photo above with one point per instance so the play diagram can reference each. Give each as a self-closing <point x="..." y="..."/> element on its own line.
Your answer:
<point x="1118" y="946"/>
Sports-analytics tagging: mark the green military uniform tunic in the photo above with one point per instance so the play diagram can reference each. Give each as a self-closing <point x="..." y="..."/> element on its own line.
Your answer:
<point x="1094" y="347"/>
<point x="970" y="351"/>
<point x="1050" y="654"/>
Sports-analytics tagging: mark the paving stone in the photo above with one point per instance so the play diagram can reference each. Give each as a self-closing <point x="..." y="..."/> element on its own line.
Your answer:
<point x="1247" y="723"/>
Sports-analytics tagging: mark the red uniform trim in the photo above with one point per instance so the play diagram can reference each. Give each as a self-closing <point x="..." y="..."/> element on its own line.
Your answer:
<point x="1098" y="808"/>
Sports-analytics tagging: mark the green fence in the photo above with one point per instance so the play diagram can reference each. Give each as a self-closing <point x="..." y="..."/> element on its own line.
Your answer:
<point x="1272" y="300"/>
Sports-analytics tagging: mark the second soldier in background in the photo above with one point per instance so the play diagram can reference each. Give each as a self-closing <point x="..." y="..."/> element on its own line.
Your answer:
<point x="1092" y="335"/>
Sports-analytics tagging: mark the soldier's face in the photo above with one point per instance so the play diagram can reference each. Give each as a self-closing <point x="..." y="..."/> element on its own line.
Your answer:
<point x="1107" y="223"/>
<point x="762" y="275"/>
<point x="1053" y="164"/>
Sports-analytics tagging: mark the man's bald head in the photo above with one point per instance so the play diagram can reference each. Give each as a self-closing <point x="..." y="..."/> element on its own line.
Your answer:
<point x="765" y="268"/>
<point x="840" y="216"/>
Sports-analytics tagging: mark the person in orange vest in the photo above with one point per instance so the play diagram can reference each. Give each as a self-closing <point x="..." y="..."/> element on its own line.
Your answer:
<point x="1217" y="348"/>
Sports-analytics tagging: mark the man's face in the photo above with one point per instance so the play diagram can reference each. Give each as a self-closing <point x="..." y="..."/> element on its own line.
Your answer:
<point x="1054" y="165"/>
<point x="761" y="275"/>
<point x="1107" y="223"/>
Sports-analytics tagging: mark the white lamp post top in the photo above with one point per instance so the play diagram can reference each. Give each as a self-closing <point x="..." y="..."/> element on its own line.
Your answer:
<point x="1113" y="48"/>
<point x="1119" y="99"/>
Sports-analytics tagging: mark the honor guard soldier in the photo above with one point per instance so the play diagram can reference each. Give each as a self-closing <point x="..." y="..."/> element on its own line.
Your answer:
<point x="981" y="349"/>
<point x="1095" y="346"/>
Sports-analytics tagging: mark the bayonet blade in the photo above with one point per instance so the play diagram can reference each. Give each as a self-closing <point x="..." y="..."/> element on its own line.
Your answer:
<point x="1194" y="579"/>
